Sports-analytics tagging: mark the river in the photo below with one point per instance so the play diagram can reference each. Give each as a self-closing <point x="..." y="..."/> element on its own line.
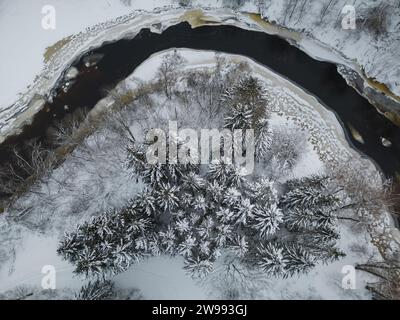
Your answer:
<point x="321" y="79"/>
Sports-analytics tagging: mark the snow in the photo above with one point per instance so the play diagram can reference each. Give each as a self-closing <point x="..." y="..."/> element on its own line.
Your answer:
<point x="23" y="75"/>
<point x="324" y="281"/>
<point x="161" y="278"/>
<point x="375" y="55"/>
<point x="101" y="183"/>
<point x="38" y="251"/>
<point x="21" y="33"/>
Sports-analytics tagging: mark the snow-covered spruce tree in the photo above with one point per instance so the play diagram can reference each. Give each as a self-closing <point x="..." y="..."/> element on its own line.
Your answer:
<point x="248" y="93"/>
<point x="309" y="192"/>
<point x="197" y="267"/>
<point x="283" y="259"/>
<point x="263" y="140"/>
<point x="167" y="196"/>
<point x="108" y="244"/>
<point x="240" y="117"/>
<point x="185" y="247"/>
<point x="219" y="172"/>
<point x="266" y="217"/>
<point x="224" y="173"/>
<point x="303" y="218"/>
<point x="147" y="202"/>
<point x="263" y="191"/>
<point x="310" y="215"/>
<point x="267" y="220"/>
<point x="231" y="198"/>
<point x="96" y="290"/>
<point x="193" y="182"/>
<point x="243" y="211"/>
<point x="155" y="174"/>
<point x="136" y="158"/>
<point x="298" y="259"/>
<point x="271" y="258"/>
<point x="216" y="191"/>
<point x="168" y="239"/>
<point x="239" y="244"/>
<point x="313" y="181"/>
<point x="248" y="103"/>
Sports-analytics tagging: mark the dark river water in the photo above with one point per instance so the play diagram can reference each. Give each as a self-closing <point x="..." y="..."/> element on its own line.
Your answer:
<point x="319" y="78"/>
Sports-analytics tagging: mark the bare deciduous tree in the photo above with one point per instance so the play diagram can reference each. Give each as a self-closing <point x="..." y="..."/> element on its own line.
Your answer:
<point x="233" y="280"/>
<point x="30" y="161"/>
<point x="375" y="19"/>
<point x="388" y="273"/>
<point x="64" y="130"/>
<point x="167" y="73"/>
<point x="364" y="195"/>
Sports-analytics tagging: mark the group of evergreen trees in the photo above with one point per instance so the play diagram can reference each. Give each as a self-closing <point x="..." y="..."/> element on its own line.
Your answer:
<point x="198" y="211"/>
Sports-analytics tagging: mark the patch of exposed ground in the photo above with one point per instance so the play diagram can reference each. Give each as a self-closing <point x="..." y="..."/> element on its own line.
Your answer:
<point x="50" y="51"/>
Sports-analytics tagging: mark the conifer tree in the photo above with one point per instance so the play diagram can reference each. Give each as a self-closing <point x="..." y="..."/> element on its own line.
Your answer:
<point x="271" y="259"/>
<point x="96" y="290"/>
<point x="107" y="244"/>
<point x="248" y="92"/>
<point x="263" y="140"/>
<point x="298" y="259"/>
<point x="167" y="196"/>
<point x="197" y="267"/>
<point x="267" y="220"/>
<point x="240" y="117"/>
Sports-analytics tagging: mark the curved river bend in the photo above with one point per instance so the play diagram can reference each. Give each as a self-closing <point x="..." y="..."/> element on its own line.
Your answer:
<point x="321" y="79"/>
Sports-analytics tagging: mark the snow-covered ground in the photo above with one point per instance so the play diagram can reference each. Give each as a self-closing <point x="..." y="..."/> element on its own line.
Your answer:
<point x="83" y="187"/>
<point x="322" y="20"/>
<point x="22" y="75"/>
<point x="25" y="41"/>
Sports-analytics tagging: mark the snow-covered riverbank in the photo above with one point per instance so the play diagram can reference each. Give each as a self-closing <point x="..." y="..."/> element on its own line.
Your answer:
<point x="52" y="51"/>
